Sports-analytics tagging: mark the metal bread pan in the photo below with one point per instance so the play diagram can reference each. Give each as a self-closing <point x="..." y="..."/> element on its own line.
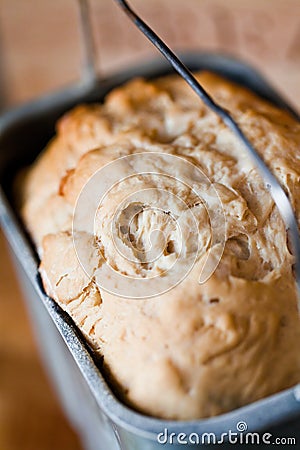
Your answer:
<point x="102" y="420"/>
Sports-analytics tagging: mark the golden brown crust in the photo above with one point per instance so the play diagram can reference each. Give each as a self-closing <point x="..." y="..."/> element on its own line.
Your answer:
<point x="197" y="350"/>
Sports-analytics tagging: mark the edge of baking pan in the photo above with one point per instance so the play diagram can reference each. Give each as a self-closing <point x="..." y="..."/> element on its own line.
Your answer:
<point x="259" y="415"/>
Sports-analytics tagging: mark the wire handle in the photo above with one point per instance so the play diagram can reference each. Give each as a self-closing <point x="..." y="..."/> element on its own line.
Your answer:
<point x="89" y="73"/>
<point x="277" y="192"/>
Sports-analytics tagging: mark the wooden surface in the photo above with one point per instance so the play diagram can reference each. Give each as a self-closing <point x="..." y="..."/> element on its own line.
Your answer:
<point x="41" y="51"/>
<point x="30" y="416"/>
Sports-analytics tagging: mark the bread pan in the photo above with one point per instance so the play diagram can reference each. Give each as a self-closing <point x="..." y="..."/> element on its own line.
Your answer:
<point x="103" y="422"/>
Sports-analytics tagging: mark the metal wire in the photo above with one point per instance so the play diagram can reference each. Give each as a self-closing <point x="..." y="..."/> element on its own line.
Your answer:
<point x="276" y="190"/>
<point x="88" y="67"/>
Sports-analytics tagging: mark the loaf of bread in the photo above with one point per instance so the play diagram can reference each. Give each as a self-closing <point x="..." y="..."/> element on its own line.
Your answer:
<point x="182" y="349"/>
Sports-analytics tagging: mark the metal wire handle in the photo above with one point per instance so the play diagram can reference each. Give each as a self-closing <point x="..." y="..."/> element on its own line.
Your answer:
<point x="89" y="72"/>
<point x="277" y="192"/>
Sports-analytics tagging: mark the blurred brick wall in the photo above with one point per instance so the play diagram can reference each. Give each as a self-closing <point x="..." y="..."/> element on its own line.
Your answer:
<point x="41" y="50"/>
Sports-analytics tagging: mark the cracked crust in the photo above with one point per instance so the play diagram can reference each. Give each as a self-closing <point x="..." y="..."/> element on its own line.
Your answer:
<point x="197" y="350"/>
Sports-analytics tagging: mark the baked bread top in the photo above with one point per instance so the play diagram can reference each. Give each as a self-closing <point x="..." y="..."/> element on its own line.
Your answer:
<point x="191" y="350"/>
